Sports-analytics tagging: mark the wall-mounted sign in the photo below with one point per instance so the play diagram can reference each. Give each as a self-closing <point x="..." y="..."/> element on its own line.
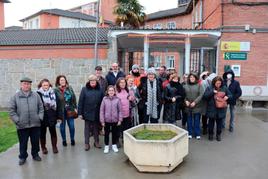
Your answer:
<point x="236" y="69"/>
<point x="235" y="46"/>
<point x="235" y="55"/>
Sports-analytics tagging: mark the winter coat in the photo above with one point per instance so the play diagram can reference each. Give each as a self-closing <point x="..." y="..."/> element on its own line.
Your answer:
<point x="143" y="93"/>
<point x="194" y="93"/>
<point x="172" y="109"/>
<point x="137" y="79"/>
<point x="66" y="100"/>
<point x="123" y="96"/>
<point x="111" y="110"/>
<point x="89" y="102"/>
<point x="111" y="79"/>
<point x="234" y="87"/>
<point x="50" y="115"/>
<point x="26" y="111"/>
<point x="212" y="111"/>
<point x="103" y="84"/>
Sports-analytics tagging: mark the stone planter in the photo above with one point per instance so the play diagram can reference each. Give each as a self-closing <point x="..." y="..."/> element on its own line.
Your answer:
<point x="156" y="155"/>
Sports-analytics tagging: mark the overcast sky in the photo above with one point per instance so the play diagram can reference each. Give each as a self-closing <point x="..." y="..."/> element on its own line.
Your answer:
<point x="18" y="9"/>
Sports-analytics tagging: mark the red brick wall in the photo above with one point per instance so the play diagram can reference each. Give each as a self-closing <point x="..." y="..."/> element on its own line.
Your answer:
<point x="181" y="21"/>
<point x="256" y="16"/>
<point x="254" y="70"/>
<point x="2" y="16"/>
<point x="107" y="8"/>
<point x="48" y="21"/>
<point x="39" y="52"/>
<point x="212" y="16"/>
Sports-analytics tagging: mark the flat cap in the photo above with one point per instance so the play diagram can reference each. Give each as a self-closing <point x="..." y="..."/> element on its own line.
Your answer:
<point x="26" y="79"/>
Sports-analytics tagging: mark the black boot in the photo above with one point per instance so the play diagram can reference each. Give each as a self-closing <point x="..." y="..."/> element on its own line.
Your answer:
<point x="218" y="137"/>
<point x="210" y="137"/>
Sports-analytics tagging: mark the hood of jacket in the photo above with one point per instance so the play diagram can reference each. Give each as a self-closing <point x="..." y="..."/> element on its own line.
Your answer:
<point x="224" y="76"/>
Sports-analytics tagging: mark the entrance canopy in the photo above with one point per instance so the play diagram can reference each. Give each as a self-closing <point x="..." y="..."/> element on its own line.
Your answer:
<point x="162" y="40"/>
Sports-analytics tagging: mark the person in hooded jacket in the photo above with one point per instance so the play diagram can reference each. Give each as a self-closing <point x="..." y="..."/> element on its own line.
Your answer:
<point x="234" y="87"/>
<point x="173" y="95"/>
<point x="89" y="109"/>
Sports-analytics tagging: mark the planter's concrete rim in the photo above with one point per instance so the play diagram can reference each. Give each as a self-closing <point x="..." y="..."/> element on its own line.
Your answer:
<point x="178" y="136"/>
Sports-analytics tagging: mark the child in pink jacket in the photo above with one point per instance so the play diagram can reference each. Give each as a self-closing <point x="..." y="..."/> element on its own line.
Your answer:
<point x="111" y="118"/>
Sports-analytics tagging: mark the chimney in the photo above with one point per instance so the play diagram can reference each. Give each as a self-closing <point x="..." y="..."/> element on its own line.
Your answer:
<point x="2" y="14"/>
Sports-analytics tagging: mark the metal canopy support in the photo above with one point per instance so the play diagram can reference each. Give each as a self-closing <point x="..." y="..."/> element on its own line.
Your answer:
<point x="146" y="52"/>
<point x="187" y="54"/>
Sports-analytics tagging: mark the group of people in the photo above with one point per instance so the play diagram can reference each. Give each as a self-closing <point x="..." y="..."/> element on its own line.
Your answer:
<point x="116" y="102"/>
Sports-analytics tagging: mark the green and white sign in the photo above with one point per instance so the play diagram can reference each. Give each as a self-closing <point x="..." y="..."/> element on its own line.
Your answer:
<point x="235" y="56"/>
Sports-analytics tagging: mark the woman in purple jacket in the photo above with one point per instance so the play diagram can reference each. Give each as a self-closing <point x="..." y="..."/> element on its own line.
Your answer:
<point x="111" y="117"/>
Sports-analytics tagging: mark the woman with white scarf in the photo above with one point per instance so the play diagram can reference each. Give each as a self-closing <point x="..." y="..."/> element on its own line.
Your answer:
<point x="50" y="115"/>
<point x="151" y="96"/>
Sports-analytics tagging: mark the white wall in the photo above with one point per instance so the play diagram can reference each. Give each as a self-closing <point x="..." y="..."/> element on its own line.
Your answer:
<point x="33" y="23"/>
<point x="65" y="22"/>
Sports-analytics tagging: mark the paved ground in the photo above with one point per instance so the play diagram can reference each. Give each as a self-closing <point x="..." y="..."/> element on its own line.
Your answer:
<point x="242" y="154"/>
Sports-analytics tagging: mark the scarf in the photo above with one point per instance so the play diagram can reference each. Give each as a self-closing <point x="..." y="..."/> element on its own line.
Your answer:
<point x="151" y="99"/>
<point x="49" y="98"/>
<point x="229" y="81"/>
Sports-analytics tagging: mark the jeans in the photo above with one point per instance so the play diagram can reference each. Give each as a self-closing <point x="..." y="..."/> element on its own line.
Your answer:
<point x="70" y="122"/>
<point x="232" y="111"/>
<point x="211" y="123"/>
<point x="193" y="124"/>
<point x="24" y="135"/>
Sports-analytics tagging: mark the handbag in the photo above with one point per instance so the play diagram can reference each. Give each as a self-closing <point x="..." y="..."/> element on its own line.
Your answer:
<point x="219" y="100"/>
<point x="72" y="114"/>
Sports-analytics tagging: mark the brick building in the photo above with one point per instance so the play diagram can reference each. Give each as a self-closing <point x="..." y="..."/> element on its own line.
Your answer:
<point x="242" y="45"/>
<point x="196" y="35"/>
<point x="58" y="18"/>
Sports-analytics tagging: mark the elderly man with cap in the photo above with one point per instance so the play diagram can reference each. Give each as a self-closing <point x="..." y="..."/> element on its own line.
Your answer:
<point x="89" y="110"/>
<point x="151" y="97"/>
<point x="102" y="81"/>
<point x="114" y="75"/>
<point x="26" y="111"/>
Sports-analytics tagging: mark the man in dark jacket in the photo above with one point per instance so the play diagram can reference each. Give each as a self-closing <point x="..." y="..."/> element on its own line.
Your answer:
<point x="26" y="111"/>
<point x="113" y="75"/>
<point x="234" y="88"/>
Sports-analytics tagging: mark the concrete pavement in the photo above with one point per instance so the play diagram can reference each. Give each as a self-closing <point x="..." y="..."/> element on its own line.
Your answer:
<point x="242" y="154"/>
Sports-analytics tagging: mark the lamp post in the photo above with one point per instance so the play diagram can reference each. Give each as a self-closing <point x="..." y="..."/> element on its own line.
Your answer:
<point x="96" y="34"/>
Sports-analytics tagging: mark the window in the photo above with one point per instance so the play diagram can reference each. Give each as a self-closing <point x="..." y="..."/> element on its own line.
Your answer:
<point x="157" y="26"/>
<point x="171" y="25"/>
<point x="170" y="61"/>
<point x="37" y="23"/>
<point x="182" y="2"/>
<point x="31" y="25"/>
<point x="157" y="61"/>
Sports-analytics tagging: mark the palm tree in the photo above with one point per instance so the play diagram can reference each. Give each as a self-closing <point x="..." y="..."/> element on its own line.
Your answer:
<point x="129" y="12"/>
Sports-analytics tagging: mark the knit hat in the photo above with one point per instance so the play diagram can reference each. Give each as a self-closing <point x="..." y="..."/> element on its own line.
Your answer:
<point x="151" y="71"/>
<point x="135" y="66"/>
<point x="26" y="79"/>
<point x="92" y="78"/>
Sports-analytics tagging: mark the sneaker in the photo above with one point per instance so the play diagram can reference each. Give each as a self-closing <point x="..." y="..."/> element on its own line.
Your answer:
<point x="189" y="136"/>
<point x="198" y="137"/>
<point x="22" y="161"/>
<point x="114" y="147"/>
<point x="73" y="142"/>
<point x="106" y="149"/>
<point x="37" y="158"/>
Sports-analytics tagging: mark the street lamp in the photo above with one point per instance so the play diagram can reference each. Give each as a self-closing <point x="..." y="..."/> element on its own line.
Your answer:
<point x="96" y="34"/>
